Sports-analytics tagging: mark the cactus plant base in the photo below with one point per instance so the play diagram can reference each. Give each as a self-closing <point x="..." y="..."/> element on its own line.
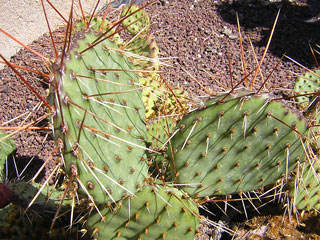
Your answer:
<point x="277" y="227"/>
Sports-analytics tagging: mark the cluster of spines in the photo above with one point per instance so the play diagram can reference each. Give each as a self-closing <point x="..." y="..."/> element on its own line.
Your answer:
<point x="14" y="224"/>
<point x="42" y="202"/>
<point x="159" y="131"/>
<point x="304" y="189"/>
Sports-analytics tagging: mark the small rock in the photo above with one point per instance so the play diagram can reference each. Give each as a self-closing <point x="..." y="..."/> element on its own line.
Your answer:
<point x="229" y="34"/>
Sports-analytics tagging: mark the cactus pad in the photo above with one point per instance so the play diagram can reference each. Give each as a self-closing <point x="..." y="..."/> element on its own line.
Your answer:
<point x="7" y="147"/>
<point x="154" y="213"/>
<point x="304" y="192"/>
<point x="238" y="145"/>
<point x="138" y="21"/>
<point x="307" y="84"/>
<point x="100" y="118"/>
<point x="14" y="225"/>
<point x="48" y="197"/>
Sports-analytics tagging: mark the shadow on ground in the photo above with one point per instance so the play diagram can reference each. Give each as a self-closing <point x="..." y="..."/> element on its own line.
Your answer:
<point x="292" y="25"/>
<point x="23" y="168"/>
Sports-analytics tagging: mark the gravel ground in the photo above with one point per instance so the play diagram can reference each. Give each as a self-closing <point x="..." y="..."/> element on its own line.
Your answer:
<point x="198" y="37"/>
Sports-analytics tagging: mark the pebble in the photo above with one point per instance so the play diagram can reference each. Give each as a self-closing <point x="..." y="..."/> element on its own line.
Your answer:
<point x="228" y="32"/>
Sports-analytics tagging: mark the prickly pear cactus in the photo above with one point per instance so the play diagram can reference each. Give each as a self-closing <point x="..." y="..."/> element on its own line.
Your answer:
<point x="160" y="131"/>
<point x="97" y="24"/>
<point x="307" y="84"/>
<point x="159" y="100"/>
<point x="100" y="26"/>
<point x="145" y="53"/>
<point x="7" y="147"/>
<point x="42" y="197"/>
<point x="176" y="99"/>
<point x="304" y="191"/>
<point x="142" y="46"/>
<point x="237" y="145"/>
<point x="153" y="90"/>
<point x="99" y="118"/>
<point x="154" y="213"/>
<point x="14" y="225"/>
<point x="136" y="20"/>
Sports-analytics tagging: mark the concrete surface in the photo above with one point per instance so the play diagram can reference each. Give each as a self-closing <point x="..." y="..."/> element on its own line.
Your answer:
<point x="24" y="20"/>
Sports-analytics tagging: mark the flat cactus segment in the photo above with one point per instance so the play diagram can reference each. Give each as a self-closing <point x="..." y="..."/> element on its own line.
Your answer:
<point x="13" y="225"/>
<point x="100" y="119"/>
<point x="306" y="84"/>
<point x="96" y="24"/>
<point x="100" y="26"/>
<point x="304" y="191"/>
<point x="309" y="83"/>
<point x="142" y="45"/>
<point x="154" y="213"/>
<point x="16" y="225"/>
<point x="138" y="21"/>
<point x="239" y="145"/>
<point x="48" y="197"/>
<point x="7" y="147"/>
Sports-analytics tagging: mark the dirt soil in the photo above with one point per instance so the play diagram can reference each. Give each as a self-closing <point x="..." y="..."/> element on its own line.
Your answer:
<point x="195" y="36"/>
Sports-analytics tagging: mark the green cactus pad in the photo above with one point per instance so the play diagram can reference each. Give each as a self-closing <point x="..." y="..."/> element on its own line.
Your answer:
<point x="304" y="191"/>
<point x="14" y="225"/>
<point x="7" y="147"/>
<point x="239" y="145"/>
<point x="99" y="25"/>
<point x="97" y="92"/>
<point x="48" y="198"/>
<point x="136" y="22"/>
<point x="154" y="213"/>
<point x="307" y="84"/>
